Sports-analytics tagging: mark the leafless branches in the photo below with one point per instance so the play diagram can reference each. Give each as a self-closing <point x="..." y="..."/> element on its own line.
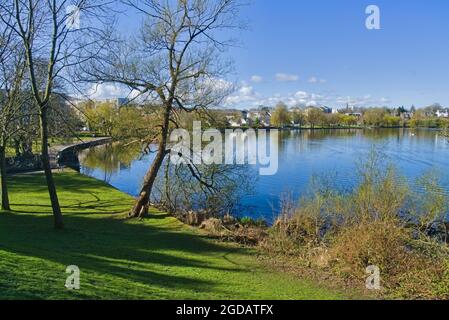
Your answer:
<point x="52" y="43"/>
<point x="175" y="61"/>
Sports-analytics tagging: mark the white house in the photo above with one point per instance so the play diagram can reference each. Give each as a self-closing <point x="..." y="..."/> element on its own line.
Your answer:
<point x="442" y="113"/>
<point x="263" y="117"/>
<point x="232" y="122"/>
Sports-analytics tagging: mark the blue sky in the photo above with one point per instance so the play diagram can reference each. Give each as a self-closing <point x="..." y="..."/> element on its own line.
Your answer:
<point x="320" y="52"/>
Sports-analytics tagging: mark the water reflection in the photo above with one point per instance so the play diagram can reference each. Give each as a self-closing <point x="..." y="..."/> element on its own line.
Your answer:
<point x="302" y="154"/>
<point x="111" y="159"/>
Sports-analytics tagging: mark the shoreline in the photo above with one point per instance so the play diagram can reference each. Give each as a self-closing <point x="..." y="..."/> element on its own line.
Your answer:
<point x="59" y="153"/>
<point x="333" y="128"/>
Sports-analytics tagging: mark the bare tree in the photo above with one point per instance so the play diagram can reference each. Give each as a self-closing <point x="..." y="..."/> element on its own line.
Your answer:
<point x="53" y="42"/>
<point x="175" y="61"/>
<point x="178" y="191"/>
<point x="12" y="98"/>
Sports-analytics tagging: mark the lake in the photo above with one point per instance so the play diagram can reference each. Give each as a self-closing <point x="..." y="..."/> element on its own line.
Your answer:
<point x="302" y="154"/>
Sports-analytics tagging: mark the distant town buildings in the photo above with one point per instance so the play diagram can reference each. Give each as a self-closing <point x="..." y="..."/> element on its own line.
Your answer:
<point x="261" y="117"/>
<point x="121" y="101"/>
<point x="326" y="110"/>
<point x="76" y="101"/>
<point x="442" y="113"/>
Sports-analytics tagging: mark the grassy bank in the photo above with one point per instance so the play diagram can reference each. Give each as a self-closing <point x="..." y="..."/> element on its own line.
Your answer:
<point x="158" y="258"/>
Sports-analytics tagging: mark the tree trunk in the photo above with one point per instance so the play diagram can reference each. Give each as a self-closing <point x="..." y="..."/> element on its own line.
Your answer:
<point x="17" y="148"/>
<point x="141" y="207"/>
<point x="167" y="182"/>
<point x="4" y="183"/>
<point x="57" y="215"/>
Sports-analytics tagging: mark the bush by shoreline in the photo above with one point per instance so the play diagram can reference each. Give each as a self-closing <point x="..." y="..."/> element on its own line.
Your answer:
<point x="335" y="235"/>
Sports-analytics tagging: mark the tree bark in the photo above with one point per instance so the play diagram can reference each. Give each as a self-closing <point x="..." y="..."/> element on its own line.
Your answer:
<point x="4" y="183"/>
<point x="167" y="185"/>
<point x="17" y="148"/>
<point x="141" y="207"/>
<point x="57" y="215"/>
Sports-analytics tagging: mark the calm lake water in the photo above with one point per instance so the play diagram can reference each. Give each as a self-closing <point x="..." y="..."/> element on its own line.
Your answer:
<point x="302" y="154"/>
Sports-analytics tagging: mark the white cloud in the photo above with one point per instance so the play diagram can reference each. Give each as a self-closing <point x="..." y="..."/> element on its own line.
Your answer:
<point x="316" y="80"/>
<point x="385" y="100"/>
<point x="365" y="101"/>
<point x="246" y="90"/>
<point x="301" y="95"/>
<point x="110" y="91"/>
<point x="218" y="84"/>
<point x="284" y="77"/>
<point x="246" y="97"/>
<point x="256" y="79"/>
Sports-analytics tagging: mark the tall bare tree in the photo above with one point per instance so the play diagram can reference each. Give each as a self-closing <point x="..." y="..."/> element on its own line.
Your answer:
<point x="177" y="62"/>
<point x="54" y="41"/>
<point x="12" y="69"/>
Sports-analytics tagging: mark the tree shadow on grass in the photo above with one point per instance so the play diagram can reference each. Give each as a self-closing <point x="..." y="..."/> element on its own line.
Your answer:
<point x="157" y="258"/>
<point x="70" y="182"/>
<point x="108" y="207"/>
<point x="77" y="194"/>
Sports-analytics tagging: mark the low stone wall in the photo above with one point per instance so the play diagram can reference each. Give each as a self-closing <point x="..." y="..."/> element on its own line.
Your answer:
<point x="23" y="164"/>
<point x="84" y="145"/>
<point x="65" y="155"/>
<point x="68" y="156"/>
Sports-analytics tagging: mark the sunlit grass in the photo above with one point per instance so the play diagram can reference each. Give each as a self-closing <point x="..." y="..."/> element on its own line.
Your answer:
<point x="158" y="258"/>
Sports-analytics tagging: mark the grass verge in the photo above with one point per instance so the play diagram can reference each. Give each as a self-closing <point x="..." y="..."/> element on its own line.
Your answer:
<point x="158" y="258"/>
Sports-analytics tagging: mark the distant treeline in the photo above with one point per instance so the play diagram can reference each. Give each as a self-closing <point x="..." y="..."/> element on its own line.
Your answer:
<point x="281" y="116"/>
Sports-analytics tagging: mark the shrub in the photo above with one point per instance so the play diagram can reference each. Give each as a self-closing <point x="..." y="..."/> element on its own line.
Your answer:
<point x="381" y="223"/>
<point x="379" y="243"/>
<point x="250" y="222"/>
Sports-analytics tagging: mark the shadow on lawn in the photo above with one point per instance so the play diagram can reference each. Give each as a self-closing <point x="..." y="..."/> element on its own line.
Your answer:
<point x="81" y="208"/>
<point x="70" y="181"/>
<point x="97" y="197"/>
<point x="136" y="253"/>
<point x="116" y="256"/>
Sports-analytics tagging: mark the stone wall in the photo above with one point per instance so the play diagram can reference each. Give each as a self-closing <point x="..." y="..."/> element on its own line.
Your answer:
<point x="23" y="164"/>
<point x="65" y="156"/>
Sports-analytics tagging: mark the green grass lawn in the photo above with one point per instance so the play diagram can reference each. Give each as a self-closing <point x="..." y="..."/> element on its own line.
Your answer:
<point x="158" y="258"/>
